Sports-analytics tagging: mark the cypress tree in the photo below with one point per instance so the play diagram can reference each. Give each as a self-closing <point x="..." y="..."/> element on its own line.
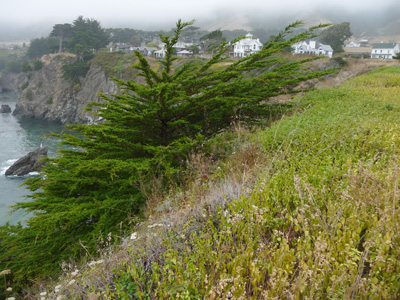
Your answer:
<point x="92" y="187"/>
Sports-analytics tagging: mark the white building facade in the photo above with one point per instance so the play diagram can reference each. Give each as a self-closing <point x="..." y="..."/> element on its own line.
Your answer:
<point x="353" y="44"/>
<point x="385" y="50"/>
<point x="312" y="48"/>
<point x="246" y="46"/>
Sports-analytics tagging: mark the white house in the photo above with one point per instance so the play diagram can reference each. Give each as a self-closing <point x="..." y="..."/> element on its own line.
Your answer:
<point x="184" y="53"/>
<point x="180" y="46"/>
<point x="353" y="44"/>
<point x="246" y="46"/>
<point x="313" y="48"/>
<point x="159" y="53"/>
<point x="385" y="50"/>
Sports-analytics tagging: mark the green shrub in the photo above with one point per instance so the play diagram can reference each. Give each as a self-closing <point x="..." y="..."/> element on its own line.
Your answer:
<point x="26" y="67"/>
<point x="37" y="64"/>
<point x="340" y="61"/>
<point x="49" y="100"/>
<point x="77" y="87"/>
<point x="24" y="86"/>
<point x="29" y="94"/>
<point x="74" y="69"/>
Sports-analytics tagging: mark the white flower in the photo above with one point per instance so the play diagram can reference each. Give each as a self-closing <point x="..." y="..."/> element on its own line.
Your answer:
<point x="92" y="263"/>
<point x="134" y="236"/>
<point x="60" y="297"/>
<point x="71" y="282"/>
<point x="9" y="289"/>
<point x="76" y="272"/>
<point x="155" y="225"/>
<point x="57" y="288"/>
<point x="43" y="294"/>
<point x="10" y="298"/>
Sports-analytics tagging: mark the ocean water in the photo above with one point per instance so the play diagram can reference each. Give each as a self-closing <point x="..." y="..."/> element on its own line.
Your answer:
<point x="18" y="137"/>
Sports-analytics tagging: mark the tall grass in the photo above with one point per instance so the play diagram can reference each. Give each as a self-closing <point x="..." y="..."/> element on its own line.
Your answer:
<point x="306" y="209"/>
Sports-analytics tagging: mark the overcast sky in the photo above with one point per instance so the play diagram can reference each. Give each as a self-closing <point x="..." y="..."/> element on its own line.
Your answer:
<point x="26" y="19"/>
<point x="159" y="11"/>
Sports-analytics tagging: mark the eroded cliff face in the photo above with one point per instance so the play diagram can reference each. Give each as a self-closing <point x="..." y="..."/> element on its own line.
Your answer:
<point x="49" y="96"/>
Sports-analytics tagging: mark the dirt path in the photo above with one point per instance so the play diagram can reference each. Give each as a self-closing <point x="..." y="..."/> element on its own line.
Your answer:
<point x="355" y="68"/>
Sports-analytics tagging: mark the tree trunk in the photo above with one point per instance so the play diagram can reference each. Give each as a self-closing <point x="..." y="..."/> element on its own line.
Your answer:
<point x="60" y="45"/>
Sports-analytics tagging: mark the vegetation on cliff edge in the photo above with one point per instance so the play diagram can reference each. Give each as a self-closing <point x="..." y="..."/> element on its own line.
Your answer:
<point x="306" y="209"/>
<point x="97" y="185"/>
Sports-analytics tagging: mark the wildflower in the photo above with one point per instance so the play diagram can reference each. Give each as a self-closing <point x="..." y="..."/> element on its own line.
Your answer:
<point x="9" y="289"/>
<point x="134" y="236"/>
<point x="76" y="272"/>
<point x="60" y="297"/>
<point x="137" y="224"/>
<point x="43" y="294"/>
<point x="72" y="282"/>
<point x="155" y="225"/>
<point x="57" y="288"/>
<point x="92" y="263"/>
<point x="10" y="298"/>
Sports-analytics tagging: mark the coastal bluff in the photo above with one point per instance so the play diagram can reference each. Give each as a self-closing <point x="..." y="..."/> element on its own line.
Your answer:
<point x="49" y="96"/>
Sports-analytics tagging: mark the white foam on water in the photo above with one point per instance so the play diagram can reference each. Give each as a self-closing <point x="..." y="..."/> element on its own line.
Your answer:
<point x="32" y="174"/>
<point x="6" y="165"/>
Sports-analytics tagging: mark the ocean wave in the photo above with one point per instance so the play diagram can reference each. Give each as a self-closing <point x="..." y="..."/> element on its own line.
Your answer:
<point x="9" y="163"/>
<point x="6" y="165"/>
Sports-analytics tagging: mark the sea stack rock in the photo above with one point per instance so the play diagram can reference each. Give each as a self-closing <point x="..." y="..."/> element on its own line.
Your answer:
<point x="5" y="109"/>
<point x="29" y="163"/>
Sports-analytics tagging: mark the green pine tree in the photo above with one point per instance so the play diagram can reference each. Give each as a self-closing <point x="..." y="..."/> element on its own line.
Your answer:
<point x="93" y="186"/>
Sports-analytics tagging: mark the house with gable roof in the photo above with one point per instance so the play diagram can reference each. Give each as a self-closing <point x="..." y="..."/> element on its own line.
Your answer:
<point x="353" y="44"/>
<point x="313" y="48"/>
<point x="160" y="53"/>
<point x="246" y="46"/>
<point x="385" y="50"/>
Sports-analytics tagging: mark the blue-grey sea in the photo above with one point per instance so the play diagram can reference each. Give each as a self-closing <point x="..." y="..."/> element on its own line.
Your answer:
<point x="18" y="137"/>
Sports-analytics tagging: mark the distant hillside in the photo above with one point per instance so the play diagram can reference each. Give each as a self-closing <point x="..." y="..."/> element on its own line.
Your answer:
<point x="363" y="23"/>
<point x="391" y="29"/>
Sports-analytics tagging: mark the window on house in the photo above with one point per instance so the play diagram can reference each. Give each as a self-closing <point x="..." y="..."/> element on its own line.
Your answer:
<point x="376" y="51"/>
<point x="381" y="51"/>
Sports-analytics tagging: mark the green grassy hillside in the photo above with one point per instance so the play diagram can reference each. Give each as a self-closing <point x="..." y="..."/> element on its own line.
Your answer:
<point x="318" y="218"/>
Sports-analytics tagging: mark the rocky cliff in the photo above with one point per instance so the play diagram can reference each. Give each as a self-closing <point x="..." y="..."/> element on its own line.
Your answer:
<point x="49" y="96"/>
